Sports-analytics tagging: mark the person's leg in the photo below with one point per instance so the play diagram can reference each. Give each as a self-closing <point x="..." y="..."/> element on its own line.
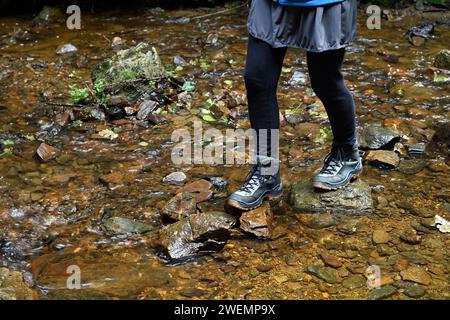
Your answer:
<point x="327" y="82"/>
<point x="343" y="163"/>
<point x="262" y="72"/>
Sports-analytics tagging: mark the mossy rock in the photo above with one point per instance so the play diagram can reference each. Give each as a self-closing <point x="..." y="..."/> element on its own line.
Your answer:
<point x="442" y="60"/>
<point x="48" y="15"/>
<point x="128" y="74"/>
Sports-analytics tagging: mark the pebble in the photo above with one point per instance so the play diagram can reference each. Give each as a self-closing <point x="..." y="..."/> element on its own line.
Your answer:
<point x="175" y="177"/>
<point x="354" y="282"/>
<point x="380" y="237"/>
<point x="200" y="188"/>
<point x="327" y="274"/>
<point x="331" y="261"/>
<point x="66" y="48"/>
<point x="47" y="152"/>
<point x="382" y="293"/>
<point x="264" y="268"/>
<point x="416" y="274"/>
<point x="410" y="236"/>
<point x="412" y="290"/>
<point x="318" y="221"/>
<point x="401" y="264"/>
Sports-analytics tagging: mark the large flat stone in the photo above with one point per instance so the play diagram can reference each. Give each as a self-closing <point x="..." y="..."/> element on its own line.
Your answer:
<point x="355" y="199"/>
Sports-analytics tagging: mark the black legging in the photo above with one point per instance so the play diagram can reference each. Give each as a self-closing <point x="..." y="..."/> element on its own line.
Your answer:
<point x="262" y="72"/>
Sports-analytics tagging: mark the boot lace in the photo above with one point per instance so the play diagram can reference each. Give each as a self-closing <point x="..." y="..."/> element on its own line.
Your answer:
<point x="254" y="179"/>
<point x="333" y="161"/>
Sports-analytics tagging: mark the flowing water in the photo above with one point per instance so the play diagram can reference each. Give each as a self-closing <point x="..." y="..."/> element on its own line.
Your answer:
<point x="50" y="212"/>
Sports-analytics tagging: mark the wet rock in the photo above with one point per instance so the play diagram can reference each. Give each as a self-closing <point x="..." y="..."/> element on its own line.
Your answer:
<point x="411" y="166"/>
<point x="419" y="212"/>
<point x="327" y="274"/>
<point x="418" y="34"/>
<point x="13" y="287"/>
<point x="401" y="264"/>
<point x="383" y="159"/>
<point x="113" y="180"/>
<point x="376" y="137"/>
<point x="121" y="225"/>
<point x="330" y="260"/>
<point x="67" y="48"/>
<point x="308" y="131"/>
<point x="48" y="15"/>
<point x="197" y="234"/>
<point x="175" y="177"/>
<point x="417" y="149"/>
<point x="355" y="282"/>
<point x="416" y="274"/>
<point x="258" y="222"/>
<point x="201" y="189"/>
<point x="317" y="221"/>
<point x="438" y="166"/>
<point x="348" y="227"/>
<point x="91" y="113"/>
<point x="442" y="60"/>
<point x="355" y="199"/>
<point x="298" y="79"/>
<point x="220" y="184"/>
<point x="118" y="43"/>
<point x="410" y="236"/>
<point x="382" y="293"/>
<point x="212" y="38"/>
<point x="145" y="109"/>
<point x="128" y="72"/>
<point x="417" y="41"/>
<point x="47" y="152"/>
<point x="181" y="206"/>
<point x="180" y="61"/>
<point x="115" y="113"/>
<point x="156" y="118"/>
<point x="263" y="268"/>
<point x="60" y="179"/>
<point x="380" y="237"/>
<point x="412" y="290"/>
<point x="192" y="292"/>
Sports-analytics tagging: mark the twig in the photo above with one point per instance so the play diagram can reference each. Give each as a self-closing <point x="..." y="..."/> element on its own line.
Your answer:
<point x="65" y="104"/>
<point x="220" y="12"/>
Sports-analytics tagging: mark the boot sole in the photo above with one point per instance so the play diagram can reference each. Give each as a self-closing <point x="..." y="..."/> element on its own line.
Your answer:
<point x="322" y="186"/>
<point x="273" y="199"/>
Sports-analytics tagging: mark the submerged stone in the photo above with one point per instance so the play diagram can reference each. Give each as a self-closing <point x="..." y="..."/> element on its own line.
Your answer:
<point x="122" y="225"/>
<point x="327" y="274"/>
<point x="382" y="293"/>
<point x="354" y="199"/>
<point x="442" y="59"/>
<point x="13" y="287"/>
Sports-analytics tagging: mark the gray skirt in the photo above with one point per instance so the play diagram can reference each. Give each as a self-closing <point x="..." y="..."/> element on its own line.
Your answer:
<point x="314" y="29"/>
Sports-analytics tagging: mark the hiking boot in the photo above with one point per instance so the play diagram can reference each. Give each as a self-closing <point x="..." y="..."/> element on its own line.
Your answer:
<point x="342" y="165"/>
<point x="257" y="187"/>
